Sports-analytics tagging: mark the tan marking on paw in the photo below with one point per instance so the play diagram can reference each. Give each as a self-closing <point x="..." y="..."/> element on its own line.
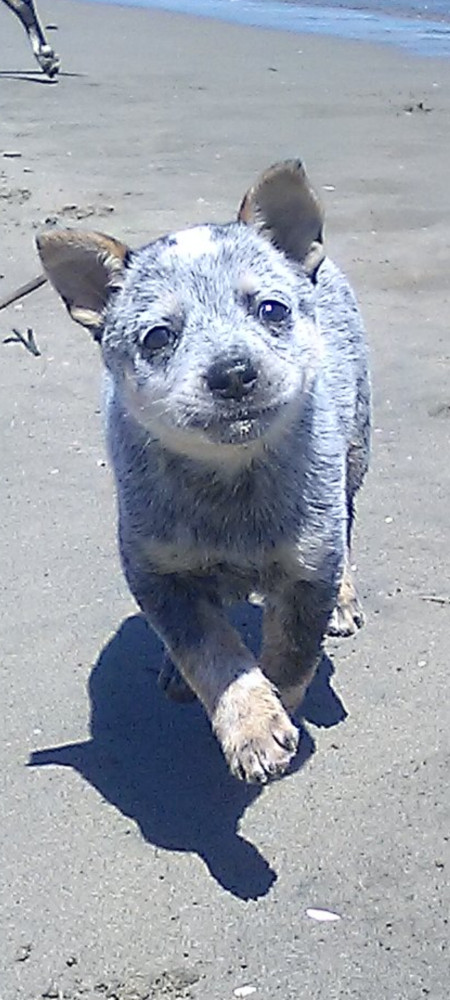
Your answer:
<point x="345" y="621"/>
<point x="348" y="615"/>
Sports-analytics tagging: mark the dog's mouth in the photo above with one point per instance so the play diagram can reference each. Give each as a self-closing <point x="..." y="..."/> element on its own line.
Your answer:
<point x="239" y="426"/>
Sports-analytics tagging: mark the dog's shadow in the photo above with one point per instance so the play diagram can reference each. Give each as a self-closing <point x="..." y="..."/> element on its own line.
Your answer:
<point x="36" y="76"/>
<point x="159" y="763"/>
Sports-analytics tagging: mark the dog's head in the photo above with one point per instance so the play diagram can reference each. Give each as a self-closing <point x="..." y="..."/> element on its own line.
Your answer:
<point x="209" y="333"/>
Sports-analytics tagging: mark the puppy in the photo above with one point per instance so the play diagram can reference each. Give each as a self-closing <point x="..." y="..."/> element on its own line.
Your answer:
<point x="238" y="425"/>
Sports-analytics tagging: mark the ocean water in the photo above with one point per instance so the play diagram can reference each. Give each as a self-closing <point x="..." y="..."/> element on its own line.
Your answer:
<point x="422" y="28"/>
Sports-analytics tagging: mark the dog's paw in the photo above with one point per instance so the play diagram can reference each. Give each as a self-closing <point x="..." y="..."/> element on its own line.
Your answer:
<point x="48" y="61"/>
<point x="173" y="684"/>
<point x="255" y="754"/>
<point x="257" y="736"/>
<point x="346" y="619"/>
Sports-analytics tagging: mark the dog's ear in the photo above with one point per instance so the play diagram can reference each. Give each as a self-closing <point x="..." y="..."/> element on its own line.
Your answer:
<point x="284" y="208"/>
<point x="84" y="268"/>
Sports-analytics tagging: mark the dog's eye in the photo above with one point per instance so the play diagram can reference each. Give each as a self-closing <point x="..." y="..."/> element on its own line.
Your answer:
<point x="156" y="338"/>
<point x="270" y="311"/>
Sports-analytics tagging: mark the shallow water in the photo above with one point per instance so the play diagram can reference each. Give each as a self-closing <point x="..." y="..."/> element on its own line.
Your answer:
<point x="422" y="28"/>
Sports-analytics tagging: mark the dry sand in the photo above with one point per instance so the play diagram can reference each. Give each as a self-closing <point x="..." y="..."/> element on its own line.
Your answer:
<point x="122" y="870"/>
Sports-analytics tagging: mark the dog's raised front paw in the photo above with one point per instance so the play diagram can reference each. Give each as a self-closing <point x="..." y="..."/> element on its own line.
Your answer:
<point x="257" y="736"/>
<point x="255" y="754"/>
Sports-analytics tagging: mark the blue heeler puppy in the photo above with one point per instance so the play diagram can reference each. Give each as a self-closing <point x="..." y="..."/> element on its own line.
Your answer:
<point x="237" y="410"/>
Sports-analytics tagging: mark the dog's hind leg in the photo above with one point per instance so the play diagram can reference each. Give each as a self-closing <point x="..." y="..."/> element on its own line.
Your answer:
<point x="173" y="684"/>
<point x="348" y="615"/>
<point x="43" y="52"/>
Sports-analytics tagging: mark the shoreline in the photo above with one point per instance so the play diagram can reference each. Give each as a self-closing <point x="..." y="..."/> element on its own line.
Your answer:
<point x="423" y="37"/>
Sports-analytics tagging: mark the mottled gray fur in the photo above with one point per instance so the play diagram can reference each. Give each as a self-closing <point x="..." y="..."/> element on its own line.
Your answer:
<point x="232" y="483"/>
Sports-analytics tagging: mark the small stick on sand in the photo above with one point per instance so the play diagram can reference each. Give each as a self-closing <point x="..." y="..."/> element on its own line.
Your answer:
<point x="435" y="599"/>
<point x="28" y="342"/>
<point x="19" y="293"/>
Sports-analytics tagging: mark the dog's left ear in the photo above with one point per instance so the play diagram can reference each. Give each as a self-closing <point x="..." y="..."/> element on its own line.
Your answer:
<point x="284" y="208"/>
<point x="84" y="268"/>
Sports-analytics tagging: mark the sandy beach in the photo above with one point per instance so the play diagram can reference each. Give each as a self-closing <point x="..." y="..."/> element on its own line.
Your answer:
<point x="133" y="865"/>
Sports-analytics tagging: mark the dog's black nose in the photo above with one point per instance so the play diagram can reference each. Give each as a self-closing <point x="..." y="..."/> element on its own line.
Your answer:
<point x="232" y="378"/>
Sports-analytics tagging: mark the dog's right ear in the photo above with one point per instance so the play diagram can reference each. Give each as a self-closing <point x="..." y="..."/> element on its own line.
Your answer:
<point x="84" y="268"/>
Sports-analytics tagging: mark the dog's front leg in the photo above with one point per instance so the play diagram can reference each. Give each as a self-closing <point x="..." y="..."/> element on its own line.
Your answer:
<point x="295" y="622"/>
<point x="256" y="734"/>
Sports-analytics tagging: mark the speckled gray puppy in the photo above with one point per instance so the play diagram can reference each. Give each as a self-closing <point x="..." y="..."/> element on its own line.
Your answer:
<point x="238" y="422"/>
